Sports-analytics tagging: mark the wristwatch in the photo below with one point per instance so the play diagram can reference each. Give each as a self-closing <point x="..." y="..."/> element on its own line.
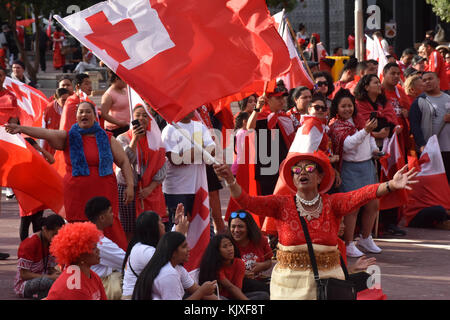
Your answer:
<point x="256" y="109"/>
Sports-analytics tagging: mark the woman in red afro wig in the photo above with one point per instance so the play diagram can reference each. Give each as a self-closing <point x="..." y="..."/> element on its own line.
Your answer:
<point x="75" y="247"/>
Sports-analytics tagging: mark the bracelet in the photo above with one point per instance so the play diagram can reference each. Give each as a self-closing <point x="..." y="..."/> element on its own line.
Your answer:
<point x="230" y="184"/>
<point x="387" y="187"/>
<point x="256" y="109"/>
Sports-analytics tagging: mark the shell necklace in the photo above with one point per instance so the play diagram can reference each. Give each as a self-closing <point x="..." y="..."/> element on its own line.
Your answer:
<point x="309" y="214"/>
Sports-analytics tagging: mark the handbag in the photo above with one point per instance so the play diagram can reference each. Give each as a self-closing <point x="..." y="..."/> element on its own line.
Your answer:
<point x="330" y="288"/>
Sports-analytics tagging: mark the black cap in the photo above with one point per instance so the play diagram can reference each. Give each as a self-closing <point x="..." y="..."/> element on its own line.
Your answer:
<point x="417" y="59"/>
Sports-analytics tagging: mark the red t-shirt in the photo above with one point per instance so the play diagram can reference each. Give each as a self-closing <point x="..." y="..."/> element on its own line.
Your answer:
<point x="234" y="273"/>
<point x="73" y="284"/>
<point x="34" y="257"/>
<point x="252" y="253"/>
<point x="436" y="64"/>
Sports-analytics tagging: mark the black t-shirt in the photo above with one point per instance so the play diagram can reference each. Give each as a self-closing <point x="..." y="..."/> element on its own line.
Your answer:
<point x="263" y="155"/>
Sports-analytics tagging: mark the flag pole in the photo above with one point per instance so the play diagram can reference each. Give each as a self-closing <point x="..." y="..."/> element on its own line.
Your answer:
<point x="294" y="38"/>
<point x="205" y="153"/>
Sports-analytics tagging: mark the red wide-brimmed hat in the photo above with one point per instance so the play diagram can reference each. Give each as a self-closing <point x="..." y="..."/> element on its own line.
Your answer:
<point x="318" y="157"/>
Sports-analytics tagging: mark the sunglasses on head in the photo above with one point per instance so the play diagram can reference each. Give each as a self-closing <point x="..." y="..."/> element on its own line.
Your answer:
<point x="322" y="83"/>
<point x="309" y="168"/>
<point x="318" y="108"/>
<point x="241" y="215"/>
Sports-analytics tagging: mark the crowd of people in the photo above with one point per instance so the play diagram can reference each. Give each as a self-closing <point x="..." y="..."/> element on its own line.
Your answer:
<point x="128" y="207"/>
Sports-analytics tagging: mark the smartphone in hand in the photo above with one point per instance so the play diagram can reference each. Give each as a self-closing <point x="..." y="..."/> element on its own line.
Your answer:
<point x="373" y="115"/>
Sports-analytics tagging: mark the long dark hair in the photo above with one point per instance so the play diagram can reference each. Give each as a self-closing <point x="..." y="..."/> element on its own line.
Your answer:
<point x="147" y="232"/>
<point x="168" y="244"/>
<point x="361" y="91"/>
<point x="239" y="121"/>
<point x="212" y="260"/>
<point x="253" y="231"/>
<point x="243" y="103"/>
<point x="341" y="94"/>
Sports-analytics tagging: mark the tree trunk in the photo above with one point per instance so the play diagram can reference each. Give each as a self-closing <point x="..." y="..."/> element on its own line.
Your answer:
<point x="31" y="70"/>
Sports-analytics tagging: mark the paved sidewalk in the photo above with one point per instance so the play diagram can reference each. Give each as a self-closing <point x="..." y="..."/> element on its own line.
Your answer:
<point x="414" y="267"/>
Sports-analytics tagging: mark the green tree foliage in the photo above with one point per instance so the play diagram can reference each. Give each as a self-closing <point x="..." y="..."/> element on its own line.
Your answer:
<point x="289" y="5"/>
<point x="441" y="8"/>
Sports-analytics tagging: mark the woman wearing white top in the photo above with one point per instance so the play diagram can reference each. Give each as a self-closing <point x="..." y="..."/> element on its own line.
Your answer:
<point x="356" y="147"/>
<point x="149" y="229"/>
<point x="165" y="279"/>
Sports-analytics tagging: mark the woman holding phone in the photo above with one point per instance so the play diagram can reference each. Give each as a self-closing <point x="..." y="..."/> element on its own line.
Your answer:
<point x="352" y="141"/>
<point x="149" y="170"/>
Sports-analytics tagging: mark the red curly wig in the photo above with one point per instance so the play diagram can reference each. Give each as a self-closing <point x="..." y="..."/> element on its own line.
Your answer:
<point x="74" y="239"/>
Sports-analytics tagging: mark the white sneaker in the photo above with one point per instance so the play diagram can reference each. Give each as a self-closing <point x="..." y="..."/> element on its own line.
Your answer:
<point x="368" y="245"/>
<point x="353" y="251"/>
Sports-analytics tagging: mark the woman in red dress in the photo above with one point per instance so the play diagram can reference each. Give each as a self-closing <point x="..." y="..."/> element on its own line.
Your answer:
<point x="308" y="175"/>
<point x="59" y="60"/>
<point x="89" y="154"/>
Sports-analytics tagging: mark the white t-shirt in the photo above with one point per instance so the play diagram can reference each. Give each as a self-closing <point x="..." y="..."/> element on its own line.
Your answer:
<point x="171" y="283"/>
<point x="181" y="179"/>
<point x="359" y="147"/>
<point x="139" y="256"/>
<point x="111" y="258"/>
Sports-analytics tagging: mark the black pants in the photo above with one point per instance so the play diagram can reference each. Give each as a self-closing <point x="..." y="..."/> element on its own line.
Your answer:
<point x="42" y="60"/>
<point x="428" y="217"/>
<point x="251" y="285"/>
<point x="118" y="131"/>
<point x="25" y="222"/>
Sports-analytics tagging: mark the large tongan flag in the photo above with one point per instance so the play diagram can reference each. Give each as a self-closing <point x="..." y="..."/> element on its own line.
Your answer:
<point x="390" y="163"/>
<point x="178" y="55"/>
<point x="24" y="169"/>
<point x="432" y="189"/>
<point x="31" y="102"/>
<point x="297" y="75"/>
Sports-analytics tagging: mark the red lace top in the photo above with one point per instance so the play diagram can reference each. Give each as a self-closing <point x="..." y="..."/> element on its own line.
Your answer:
<point x="323" y="230"/>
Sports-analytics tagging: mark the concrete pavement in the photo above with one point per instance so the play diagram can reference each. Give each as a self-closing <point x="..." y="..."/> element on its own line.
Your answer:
<point x="414" y="267"/>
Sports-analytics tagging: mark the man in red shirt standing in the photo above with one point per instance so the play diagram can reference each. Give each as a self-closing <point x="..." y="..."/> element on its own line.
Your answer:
<point x="397" y="97"/>
<point x="436" y="63"/>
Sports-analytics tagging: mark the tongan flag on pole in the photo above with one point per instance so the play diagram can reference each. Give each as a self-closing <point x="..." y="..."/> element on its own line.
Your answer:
<point x="31" y="102"/>
<point x="24" y="169"/>
<point x="297" y="75"/>
<point x="432" y="189"/>
<point x="179" y="55"/>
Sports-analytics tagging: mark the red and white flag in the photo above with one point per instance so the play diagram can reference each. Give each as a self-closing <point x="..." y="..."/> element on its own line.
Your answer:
<point x="23" y="168"/>
<point x="432" y="188"/>
<point x="31" y="102"/>
<point x="375" y="51"/>
<point x="199" y="226"/>
<point x="391" y="162"/>
<point x="179" y="55"/>
<point x="297" y="75"/>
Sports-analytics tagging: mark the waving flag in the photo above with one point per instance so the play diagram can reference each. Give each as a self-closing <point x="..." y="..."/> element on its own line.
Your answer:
<point x="297" y="75"/>
<point x="432" y="189"/>
<point x="24" y="169"/>
<point x="390" y="164"/>
<point x="31" y="101"/>
<point x="179" y="55"/>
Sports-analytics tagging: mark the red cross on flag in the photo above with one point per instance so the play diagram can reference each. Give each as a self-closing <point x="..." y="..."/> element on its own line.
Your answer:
<point x="179" y="55"/>
<point x="24" y="169"/>
<point x="31" y="101"/>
